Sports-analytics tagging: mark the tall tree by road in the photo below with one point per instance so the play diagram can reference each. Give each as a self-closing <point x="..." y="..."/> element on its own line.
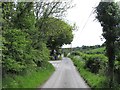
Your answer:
<point x="60" y="33"/>
<point x="108" y="14"/>
<point x="24" y="37"/>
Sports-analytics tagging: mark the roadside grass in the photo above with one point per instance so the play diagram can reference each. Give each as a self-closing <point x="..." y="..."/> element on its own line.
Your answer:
<point x="97" y="50"/>
<point x="95" y="81"/>
<point x="33" y="80"/>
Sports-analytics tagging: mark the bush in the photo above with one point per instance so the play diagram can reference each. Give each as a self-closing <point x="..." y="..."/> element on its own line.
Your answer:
<point x="93" y="64"/>
<point x="65" y="54"/>
<point x="41" y="56"/>
<point x="32" y="80"/>
<point x="100" y="50"/>
<point x="117" y="71"/>
<point x="15" y="50"/>
<point x="18" y="53"/>
<point x="75" y="53"/>
<point x="95" y="81"/>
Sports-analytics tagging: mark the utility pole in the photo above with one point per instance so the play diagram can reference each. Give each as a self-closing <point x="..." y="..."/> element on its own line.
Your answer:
<point x="71" y="48"/>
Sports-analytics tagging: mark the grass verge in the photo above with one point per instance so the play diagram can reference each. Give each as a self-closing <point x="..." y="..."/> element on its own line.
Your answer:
<point x="95" y="81"/>
<point x="33" y="80"/>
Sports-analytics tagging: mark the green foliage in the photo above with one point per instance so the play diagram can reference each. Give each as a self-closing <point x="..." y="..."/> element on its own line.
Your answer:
<point x="66" y="51"/>
<point x="25" y="42"/>
<point x="93" y="64"/>
<point x="101" y="57"/>
<point x="108" y="12"/>
<point x="117" y="71"/>
<point x="96" y="51"/>
<point x="65" y="54"/>
<point x="27" y="81"/>
<point x="19" y="50"/>
<point x="59" y="32"/>
<point x="56" y="32"/>
<point x="25" y="16"/>
<point x="54" y="29"/>
<point x="93" y="80"/>
<point x="42" y="56"/>
<point x="14" y="51"/>
<point x="75" y="53"/>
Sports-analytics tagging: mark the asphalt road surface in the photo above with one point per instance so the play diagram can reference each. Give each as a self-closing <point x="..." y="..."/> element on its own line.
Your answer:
<point x="65" y="76"/>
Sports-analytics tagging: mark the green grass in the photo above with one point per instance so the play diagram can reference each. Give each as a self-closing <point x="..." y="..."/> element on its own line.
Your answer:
<point x="97" y="50"/>
<point x="93" y="80"/>
<point x="33" y="80"/>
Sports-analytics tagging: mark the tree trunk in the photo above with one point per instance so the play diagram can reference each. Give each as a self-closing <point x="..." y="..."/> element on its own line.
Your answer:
<point x="111" y="56"/>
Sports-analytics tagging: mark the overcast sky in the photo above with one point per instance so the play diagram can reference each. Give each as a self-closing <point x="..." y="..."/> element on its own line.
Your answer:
<point x="89" y="30"/>
<point x="91" y="33"/>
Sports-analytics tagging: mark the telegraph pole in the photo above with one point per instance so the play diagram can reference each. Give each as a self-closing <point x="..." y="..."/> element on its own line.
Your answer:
<point x="71" y="48"/>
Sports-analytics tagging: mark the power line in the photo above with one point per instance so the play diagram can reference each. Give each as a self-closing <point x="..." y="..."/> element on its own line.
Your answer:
<point x="87" y="21"/>
<point x="88" y="18"/>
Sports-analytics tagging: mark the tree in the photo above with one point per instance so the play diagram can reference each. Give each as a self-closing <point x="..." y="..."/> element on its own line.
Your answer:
<point x="58" y="32"/>
<point x="17" y="49"/>
<point x="53" y="8"/>
<point x="19" y="38"/>
<point x="25" y="33"/>
<point x="108" y="14"/>
<point x="45" y="9"/>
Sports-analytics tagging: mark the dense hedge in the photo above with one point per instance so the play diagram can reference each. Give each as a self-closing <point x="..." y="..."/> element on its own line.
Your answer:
<point x="93" y="62"/>
<point x="33" y="79"/>
<point x="96" y="64"/>
<point x="18" y="54"/>
<point x="95" y="81"/>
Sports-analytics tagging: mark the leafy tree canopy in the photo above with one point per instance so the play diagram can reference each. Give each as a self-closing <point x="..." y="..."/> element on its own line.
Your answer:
<point x="58" y="32"/>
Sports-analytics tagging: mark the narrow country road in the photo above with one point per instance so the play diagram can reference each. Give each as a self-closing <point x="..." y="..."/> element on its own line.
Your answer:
<point x="65" y="76"/>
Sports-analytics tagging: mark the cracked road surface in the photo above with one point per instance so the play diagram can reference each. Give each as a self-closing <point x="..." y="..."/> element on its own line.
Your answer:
<point x="65" y="76"/>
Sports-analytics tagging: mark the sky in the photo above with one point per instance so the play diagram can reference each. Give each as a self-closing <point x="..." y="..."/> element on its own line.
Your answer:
<point x="89" y="29"/>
